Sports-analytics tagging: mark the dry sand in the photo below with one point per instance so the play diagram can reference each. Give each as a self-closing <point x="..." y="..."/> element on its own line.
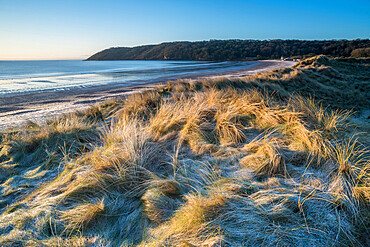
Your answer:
<point x="38" y="107"/>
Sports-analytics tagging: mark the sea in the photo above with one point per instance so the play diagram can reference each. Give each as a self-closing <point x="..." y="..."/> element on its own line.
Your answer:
<point x="23" y="77"/>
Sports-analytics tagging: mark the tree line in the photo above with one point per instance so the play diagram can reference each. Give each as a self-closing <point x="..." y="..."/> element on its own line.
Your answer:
<point x="223" y="50"/>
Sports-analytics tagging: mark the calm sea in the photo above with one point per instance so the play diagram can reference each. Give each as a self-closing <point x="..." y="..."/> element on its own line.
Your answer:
<point x="36" y="76"/>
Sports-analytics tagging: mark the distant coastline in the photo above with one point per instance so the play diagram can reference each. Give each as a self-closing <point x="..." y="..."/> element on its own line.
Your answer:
<point x="236" y="50"/>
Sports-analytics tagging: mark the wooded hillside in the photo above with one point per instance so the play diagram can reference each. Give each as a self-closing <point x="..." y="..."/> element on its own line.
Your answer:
<point x="233" y="50"/>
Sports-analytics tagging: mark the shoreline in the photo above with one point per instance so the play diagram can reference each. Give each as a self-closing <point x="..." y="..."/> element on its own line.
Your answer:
<point x="38" y="107"/>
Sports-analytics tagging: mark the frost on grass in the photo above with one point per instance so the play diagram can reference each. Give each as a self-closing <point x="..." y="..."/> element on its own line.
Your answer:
<point x="256" y="161"/>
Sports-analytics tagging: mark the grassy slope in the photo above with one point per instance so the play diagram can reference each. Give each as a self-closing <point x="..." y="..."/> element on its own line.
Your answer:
<point x="213" y="162"/>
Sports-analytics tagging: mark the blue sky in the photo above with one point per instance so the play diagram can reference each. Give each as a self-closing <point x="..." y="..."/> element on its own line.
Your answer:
<point x="75" y="29"/>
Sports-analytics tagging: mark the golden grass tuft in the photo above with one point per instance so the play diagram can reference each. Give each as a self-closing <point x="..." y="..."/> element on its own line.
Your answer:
<point x="141" y="104"/>
<point x="266" y="157"/>
<point x="83" y="215"/>
<point x="351" y="170"/>
<point x="190" y="225"/>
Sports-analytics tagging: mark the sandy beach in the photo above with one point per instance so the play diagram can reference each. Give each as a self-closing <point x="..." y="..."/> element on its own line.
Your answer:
<point x="37" y="107"/>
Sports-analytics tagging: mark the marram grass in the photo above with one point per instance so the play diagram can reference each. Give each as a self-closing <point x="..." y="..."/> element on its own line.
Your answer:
<point x="256" y="161"/>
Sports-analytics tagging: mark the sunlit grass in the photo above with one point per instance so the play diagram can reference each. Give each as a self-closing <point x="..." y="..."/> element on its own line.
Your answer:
<point x="256" y="161"/>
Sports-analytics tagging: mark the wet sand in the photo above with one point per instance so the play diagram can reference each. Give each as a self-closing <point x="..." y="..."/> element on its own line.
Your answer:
<point x="37" y="107"/>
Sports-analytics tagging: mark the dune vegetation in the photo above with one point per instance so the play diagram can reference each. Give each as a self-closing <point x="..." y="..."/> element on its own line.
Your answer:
<point x="279" y="158"/>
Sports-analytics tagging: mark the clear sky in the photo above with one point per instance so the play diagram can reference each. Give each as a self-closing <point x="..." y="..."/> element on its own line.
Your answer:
<point x="75" y="29"/>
